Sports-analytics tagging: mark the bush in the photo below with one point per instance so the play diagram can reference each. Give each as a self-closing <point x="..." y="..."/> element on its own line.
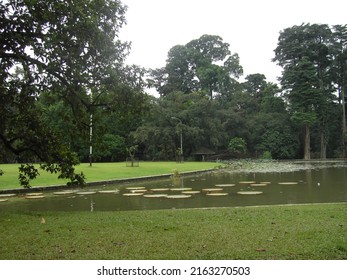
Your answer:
<point x="266" y="155"/>
<point x="237" y="146"/>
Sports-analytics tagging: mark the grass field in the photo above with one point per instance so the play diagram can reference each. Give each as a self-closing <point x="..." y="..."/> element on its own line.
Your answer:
<point x="103" y="171"/>
<point x="275" y="232"/>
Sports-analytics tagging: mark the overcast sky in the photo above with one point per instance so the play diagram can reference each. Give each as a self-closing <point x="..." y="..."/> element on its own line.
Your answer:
<point x="251" y="27"/>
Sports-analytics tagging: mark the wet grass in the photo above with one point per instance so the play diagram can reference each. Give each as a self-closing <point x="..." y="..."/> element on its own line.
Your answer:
<point x="285" y="232"/>
<point x="103" y="171"/>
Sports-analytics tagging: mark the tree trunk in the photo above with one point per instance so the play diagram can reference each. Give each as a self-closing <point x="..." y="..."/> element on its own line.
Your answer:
<point x="343" y="120"/>
<point x="307" y="151"/>
<point x="323" y="146"/>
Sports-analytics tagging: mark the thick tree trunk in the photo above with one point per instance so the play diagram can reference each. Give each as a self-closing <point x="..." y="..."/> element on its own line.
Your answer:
<point x="307" y="151"/>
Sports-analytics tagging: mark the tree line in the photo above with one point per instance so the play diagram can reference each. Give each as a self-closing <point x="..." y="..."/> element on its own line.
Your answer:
<point x="301" y="117"/>
<point x="63" y="75"/>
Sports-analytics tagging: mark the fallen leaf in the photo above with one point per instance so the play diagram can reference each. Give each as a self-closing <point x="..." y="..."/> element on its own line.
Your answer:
<point x="119" y="243"/>
<point x="260" y="250"/>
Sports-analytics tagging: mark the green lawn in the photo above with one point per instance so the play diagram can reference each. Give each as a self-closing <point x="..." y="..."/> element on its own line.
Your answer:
<point x="274" y="232"/>
<point x="103" y="171"/>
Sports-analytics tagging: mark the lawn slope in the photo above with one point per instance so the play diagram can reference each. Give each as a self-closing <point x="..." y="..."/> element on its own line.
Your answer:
<point x="272" y="232"/>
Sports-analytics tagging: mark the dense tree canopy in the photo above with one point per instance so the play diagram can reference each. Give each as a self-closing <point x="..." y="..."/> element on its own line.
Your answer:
<point x="308" y="54"/>
<point x="298" y="120"/>
<point x="62" y="72"/>
<point x="66" y="51"/>
<point x="204" y="64"/>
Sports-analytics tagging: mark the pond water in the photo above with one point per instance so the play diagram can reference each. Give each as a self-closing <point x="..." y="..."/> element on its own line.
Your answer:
<point x="320" y="185"/>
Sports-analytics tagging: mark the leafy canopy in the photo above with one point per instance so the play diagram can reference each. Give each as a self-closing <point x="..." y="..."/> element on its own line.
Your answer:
<point x="69" y="48"/>
<point x="204" y="64"/>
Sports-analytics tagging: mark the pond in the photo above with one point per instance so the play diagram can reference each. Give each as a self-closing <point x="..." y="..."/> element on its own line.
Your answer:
<point x="214" y="189"/>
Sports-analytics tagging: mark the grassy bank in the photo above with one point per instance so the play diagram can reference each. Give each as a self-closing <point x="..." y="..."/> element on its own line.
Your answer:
<point x="103" y="171"/>
<point x="286" y="232"/>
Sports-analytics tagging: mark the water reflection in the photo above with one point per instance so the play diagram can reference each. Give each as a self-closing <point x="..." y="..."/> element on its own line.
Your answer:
<point x="312" y="186"/>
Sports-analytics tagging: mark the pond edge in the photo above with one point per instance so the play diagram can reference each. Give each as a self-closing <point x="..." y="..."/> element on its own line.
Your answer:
<point x="105" y="182"/>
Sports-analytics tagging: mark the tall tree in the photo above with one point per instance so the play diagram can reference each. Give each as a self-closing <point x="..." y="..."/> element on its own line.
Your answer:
<point x="255" y="84"/>
<point x="66" y="47"/>
<point x="304" y="96"/>
<point x="312" y="44"/>
<point x="340" y="74"/>
<point x="204" y="64"/>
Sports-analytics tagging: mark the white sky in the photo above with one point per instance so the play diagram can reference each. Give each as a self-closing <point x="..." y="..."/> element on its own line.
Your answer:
<point x="251" y="27"/>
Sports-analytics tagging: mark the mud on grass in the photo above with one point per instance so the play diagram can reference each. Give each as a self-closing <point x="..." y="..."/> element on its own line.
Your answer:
<point x="286" y="232"/>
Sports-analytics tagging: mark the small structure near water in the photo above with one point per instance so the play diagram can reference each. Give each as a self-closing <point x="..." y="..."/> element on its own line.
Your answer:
<point x="201" y="153"/>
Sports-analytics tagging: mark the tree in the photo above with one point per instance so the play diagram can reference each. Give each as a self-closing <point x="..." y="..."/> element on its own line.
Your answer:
<point x="255" y="84"/>
<point x="297" y="47"/>
<point x="66" y="48"/>
<point x="180" y="70"/>
<point x="304" y="97"/>
<point x="204" y="64"/>
<point x="237" y="146"/>
<point x="340" y="74"/>
<point x="199" y="118"/>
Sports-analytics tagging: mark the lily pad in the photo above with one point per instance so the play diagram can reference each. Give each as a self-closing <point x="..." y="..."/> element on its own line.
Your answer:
<point x="217" y="194"/>
<point x="135" y="188"/>
<point x="64" y="192"/>
<point x="181" y="189"/>
<point x="138" y="191"/>
<point x="225" y="185"/>
<point x="7" y="195"/>
<point x="85" y="193"/>
<point x="133" y="194"/>
<point x="249" y="192"/>
<point x="190" y="192"/>
<point x="288" y="183"/>
<point x="179" y="196"/>
<point x="259" y="185"/>
<point x="212" y="190"/>
<point x="34" y="194"/>
<point x="247" y="182"/>
<point x="155" y="195"/>
<point x="35" y="197"/>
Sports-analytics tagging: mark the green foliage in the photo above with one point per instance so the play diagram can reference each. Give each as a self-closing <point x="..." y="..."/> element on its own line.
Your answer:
<point x="237" y="146"/>
<point x="27" y="172"/>
<point x="311" y="58"/>
<point x="159" y="136"/>
<point x="305" y="118"/>
<point x="114" y="148"/>
<point x="52" y="57"/>
<point x="204" y="64"/>
<point x="75" y="68"/>
<point x="282" y="144"/>
<point x="131" y="151"/>
<point x="64" y="165"/>
<point x="266" y="155"/>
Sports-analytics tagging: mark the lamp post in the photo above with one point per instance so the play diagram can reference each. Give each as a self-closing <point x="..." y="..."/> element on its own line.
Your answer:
<point x="91" y="140"/>
<point x="181" y="135"/>
<point x="91" y="133"/>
